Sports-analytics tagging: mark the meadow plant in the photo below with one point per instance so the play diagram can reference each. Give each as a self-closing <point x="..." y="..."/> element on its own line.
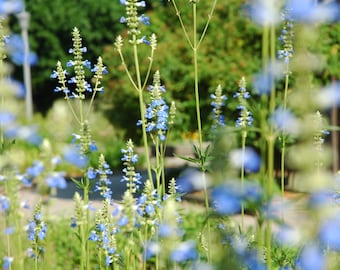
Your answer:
<point x="150" y="227"/>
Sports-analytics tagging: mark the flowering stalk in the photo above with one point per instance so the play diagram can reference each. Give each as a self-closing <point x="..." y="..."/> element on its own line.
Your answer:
<point x="286" y="53"/>
<point x="243" y="122"/>
<point x="36" y="233"/>
<point x="133" y="21"/>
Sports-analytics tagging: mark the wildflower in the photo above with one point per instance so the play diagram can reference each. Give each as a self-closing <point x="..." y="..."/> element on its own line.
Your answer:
<point x="157" y="112"/>
<point x="311" y="258"/>
<point x="56" y="180"/>
<point x="7" y="261"/>
<point x="286" y="37"/>
<point x="248" y="158"/>
<point x="284" y="120"/>
<point x="329" y="233"/>
<point x="185" y="251"/>
<point x="36" y="231"/>
<point x="15" y="49"/>
<point x="73" y="156"/>
<point x="132" y="19"/>
<point x="11" y="7"/>
<point x="307" y="11"/>
<point x="264" y="12"/>
<point x="103" y="182"/>
<point x="246" y="118"/>
<point x="4" y="203"/>
<point x="329" y="96"/>
<point x="227" y="199"/>
<point x="130" y="176"/>
<point x="217" y="104"/>
<point x="320" y="131"/>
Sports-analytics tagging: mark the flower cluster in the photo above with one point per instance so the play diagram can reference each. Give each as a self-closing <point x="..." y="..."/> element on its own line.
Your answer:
<point x="246" y="118"/>
<point x="103" y="182"/>
<point x="286" y="38"/>
<point x="218" y="103"/>
<point x="104" y="234"/>
<point x="147" y="205"/>
<point x="36" y="233"/>
<point x="79" y="66"/>
<point x="157" y="113"/>
<point x="129" y="159"/>
<point x="320" y="131"/>
<point x="132" y="19"/>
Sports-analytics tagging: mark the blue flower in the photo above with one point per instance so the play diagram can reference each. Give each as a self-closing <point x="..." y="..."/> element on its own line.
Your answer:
<point x="185" y="251"/>
<point x="307" y="11"/>
<point x="144" y="19"/>
<point x="247" y="157"/>
<point x="4" y="203"/>
<point x="93" y="236"/>
<point x="11" y="6"/>
<point x="7" y="261"/>
<point x="284" y="120"/>
<point x="329" y="233"/>
<point x="263" y="12"/>
<point x="227" y="199"/>
<point x="123" y="221"/>
<point x="56" y="180"/>
<point x="15" y="49"/>
<point x="329" y="96"/>
<point x="311" y="258"/>
<point x="72" y="155"/>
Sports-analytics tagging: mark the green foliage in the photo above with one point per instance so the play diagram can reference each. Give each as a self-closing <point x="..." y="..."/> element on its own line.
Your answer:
<point x="233" y="35"/>
<point x="51" y="23"/>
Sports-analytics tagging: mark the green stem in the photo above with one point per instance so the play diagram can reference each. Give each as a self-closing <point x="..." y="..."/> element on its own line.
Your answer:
<point x="197" y="97"/>
<point x="283" y="135"/>
<point x="243" y="145"/>
<point x="142" y="108"/>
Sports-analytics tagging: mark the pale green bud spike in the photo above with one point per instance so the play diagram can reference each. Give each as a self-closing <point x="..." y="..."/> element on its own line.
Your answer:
<point x="153" y="41"/>
<point x="118" y="43"/>
<point x="172" y="113"/>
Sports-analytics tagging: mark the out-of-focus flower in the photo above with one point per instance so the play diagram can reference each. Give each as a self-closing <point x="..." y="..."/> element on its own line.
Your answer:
<point x="8" y="7"/>
<point x="311" y="258"/>
<point x="15" y="49"/>
<point x="307" y="11"/>
<point x="264" y="12"/>
<point x="185" y="251"/>
<point x="72" y="155"/>
<point x="329" y="233"/>
<point x="285" y="121"/>
<point x="56" y="180"/>
<point x="329" y="96"/>
<point x="247" y="157"/>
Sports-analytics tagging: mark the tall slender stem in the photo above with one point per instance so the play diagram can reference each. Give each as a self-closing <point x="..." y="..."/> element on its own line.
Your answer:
<point x="142" y="107"/>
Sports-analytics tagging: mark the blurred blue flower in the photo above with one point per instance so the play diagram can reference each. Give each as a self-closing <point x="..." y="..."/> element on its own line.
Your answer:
<point x="247" y="157"/>
<point x="329" y="233"/>
<point x="287" y="235"/>
<point x="6" y="118"/>
<point x="308" y="11"/>
<point x="11" y="6"/>
<point x="185" y="251"/>
<point x="329" y="96"/>
<point x="72" y="155"/>
<point x="15" y="49"/>
<point x="56" y="180"/>
<point x="152" y="248"/>
<point x="4" y="203"/>
<point x="7" y="261"/>
<point x="285" y="121"/>
<point x="311" y="258"/>
<point x="320" y="199"/>
<point x="263" y="12"/>
<point x="227" y="199"/>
